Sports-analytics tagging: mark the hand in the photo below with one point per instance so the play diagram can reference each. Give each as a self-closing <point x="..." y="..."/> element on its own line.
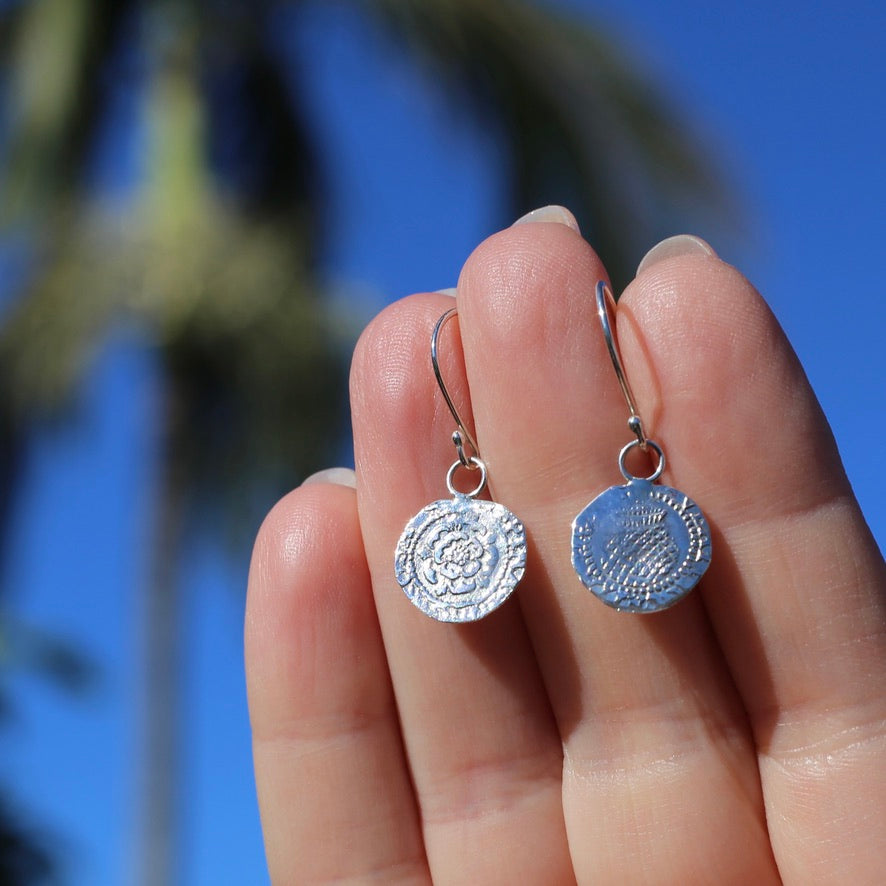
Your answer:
<point x="735" y="738"/>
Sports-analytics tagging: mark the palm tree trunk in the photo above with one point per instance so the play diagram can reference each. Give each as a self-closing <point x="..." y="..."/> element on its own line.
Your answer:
<point x="157" y="862"/>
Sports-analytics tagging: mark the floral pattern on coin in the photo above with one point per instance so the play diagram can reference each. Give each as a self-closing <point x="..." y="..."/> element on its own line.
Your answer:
<point x="460" y="558"/>
<point x="641" y="547"/>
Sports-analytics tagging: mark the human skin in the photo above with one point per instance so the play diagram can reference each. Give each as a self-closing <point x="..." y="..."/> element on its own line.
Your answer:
<point x="737" y="737"/>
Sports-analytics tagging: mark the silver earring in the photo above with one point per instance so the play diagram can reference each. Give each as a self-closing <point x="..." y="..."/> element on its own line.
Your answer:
<point x="460" y="558"/>
<point x="643" y="546"/>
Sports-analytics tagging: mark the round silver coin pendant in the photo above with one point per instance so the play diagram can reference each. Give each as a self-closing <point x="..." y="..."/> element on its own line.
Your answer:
<point x="460" y="558"/>
<point x="641" y="547"/>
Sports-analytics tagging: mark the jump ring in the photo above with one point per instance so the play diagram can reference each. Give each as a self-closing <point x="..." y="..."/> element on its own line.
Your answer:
<point x="474" y="464"/>
<point x="628" y="447"/>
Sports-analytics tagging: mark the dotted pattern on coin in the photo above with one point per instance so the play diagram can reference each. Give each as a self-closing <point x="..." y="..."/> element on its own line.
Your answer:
<point x="458" y="559"/>
<point x="641" y="547"/>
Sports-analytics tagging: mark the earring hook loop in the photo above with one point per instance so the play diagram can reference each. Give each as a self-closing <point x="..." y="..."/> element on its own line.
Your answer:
<point x="605" y="310"/>
<point x="462" y="433"/>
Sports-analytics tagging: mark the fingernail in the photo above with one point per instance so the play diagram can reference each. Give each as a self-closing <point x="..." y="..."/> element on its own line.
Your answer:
<point x="340" y="476"/>
<point x="558" y="214"/>
<point x="682" y="244"/>
<point x="449" y="291"/>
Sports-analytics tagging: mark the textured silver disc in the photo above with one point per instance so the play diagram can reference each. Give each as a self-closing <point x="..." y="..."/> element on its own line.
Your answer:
<point x="460" y="558"/>
<point x="641" y="547"/>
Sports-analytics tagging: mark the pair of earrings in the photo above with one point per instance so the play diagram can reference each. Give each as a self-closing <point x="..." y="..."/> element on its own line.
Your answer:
<point x="640" y="547"/>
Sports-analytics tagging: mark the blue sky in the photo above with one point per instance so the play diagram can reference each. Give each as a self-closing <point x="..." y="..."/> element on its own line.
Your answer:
<point x="791" y="101"/>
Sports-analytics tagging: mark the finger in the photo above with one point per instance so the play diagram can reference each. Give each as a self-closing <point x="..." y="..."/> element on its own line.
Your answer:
<point x="483" y="749"/>
<point x="660" y="777"/>
<point x="333" y="786"/>
<point x="796" y="588"/>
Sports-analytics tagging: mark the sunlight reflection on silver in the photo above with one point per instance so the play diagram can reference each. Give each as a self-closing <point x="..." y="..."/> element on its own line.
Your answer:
<point x="640" y="547"/>
<point x="458" y="559"/>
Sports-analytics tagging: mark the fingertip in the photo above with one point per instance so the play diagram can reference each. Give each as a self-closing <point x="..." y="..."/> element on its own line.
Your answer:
<point x="306" y="544"/>
<point x="529" y="279"/>
<point x="389" y="352"/>
<point x="533" y="353"/>
<point x="720" y="386"/>
<point x="298" y="526"/>
<point x="401" y="437"/>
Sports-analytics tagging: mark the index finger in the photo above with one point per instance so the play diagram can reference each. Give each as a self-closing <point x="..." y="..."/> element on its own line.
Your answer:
<point x="795" y="591"/>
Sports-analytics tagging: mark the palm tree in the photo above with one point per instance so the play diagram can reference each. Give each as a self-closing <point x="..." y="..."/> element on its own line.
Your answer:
<point x="213" y="261"/>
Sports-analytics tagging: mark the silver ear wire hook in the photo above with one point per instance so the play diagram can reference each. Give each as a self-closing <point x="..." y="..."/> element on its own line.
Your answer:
<point x="462" y="433"/>
<point x="606" y="306"/>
